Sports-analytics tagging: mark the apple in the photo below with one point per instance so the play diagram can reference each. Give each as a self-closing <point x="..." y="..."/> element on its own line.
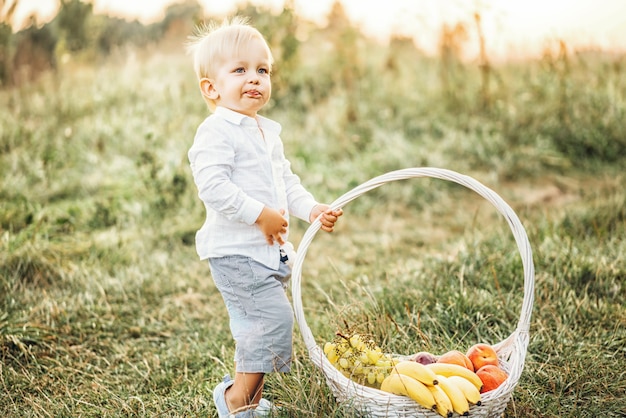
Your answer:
<point x="424" y="357"/>
<point x="482" y="355"/>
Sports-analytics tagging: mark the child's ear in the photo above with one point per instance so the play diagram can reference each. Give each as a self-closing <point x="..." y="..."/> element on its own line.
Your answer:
<point x="207" y="86"/>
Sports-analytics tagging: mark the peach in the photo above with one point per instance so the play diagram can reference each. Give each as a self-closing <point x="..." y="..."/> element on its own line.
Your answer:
<point x="456" y="357"/>
<point x="482" y="355"/>
<point x="491" y="376"/>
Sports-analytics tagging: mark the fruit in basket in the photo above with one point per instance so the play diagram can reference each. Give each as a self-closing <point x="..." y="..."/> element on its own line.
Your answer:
<point x="417" y="371"/>
<point x="358" y="358"/>
<point x="459" y="402"/>
<point x="471" y="393"/>
<point x="399" y="384"/>
<point x="424" y="357"/>
<point x="456" y="357"/>
<point x="443" y="405"/>
<point x="450" y="394"/>
<point x="491" y="376"/>
<point x="447" y="370"/>
<point x="481" y="355"/>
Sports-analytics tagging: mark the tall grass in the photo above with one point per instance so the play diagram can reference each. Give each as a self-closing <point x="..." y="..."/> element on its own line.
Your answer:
<point x="106" y="311"/>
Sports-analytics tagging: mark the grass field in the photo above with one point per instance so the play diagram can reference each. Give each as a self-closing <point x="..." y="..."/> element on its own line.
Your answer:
<point x="105" y="310"/>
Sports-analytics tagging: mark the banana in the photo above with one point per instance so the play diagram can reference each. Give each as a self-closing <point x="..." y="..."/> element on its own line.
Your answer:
<point x="447" y="370"/>
<point x="459" y="402"/>
<point x="399" y="384"/>
<point x="443" y="405"/>
<point x="469" y="390"/>
<point x="417" y="371"/>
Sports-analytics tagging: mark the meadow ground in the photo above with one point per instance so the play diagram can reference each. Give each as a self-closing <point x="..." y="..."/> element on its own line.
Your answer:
<point x="106" y="311"/>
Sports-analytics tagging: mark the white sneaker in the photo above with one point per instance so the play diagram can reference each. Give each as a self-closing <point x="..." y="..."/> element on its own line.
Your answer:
<point x="265" y="409"/>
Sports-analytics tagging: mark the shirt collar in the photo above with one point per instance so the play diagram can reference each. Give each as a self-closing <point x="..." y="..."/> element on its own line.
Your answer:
<point x="243" y="120"/>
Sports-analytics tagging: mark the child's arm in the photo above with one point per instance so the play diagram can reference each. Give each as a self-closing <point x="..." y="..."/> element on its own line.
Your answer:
<point x="273" y="225"/>
<point x="329" y="217"/>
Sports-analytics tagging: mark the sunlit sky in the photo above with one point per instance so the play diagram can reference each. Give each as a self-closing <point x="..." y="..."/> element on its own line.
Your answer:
<point x="523" y="26"/>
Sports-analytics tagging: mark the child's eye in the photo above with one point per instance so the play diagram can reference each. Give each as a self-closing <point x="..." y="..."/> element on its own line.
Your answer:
<point x="263" y="71"/>
<point x="240" y="70"/>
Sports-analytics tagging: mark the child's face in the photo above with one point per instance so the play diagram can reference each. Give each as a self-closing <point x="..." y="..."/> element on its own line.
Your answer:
<point x="242" y="82"/>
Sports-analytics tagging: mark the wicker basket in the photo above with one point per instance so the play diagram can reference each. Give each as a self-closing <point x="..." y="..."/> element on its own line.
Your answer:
<point x="511" y="351"/>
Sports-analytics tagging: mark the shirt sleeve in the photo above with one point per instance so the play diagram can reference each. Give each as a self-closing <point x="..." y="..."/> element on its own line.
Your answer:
<point x="300" y="201"/>
<point x="212" y="160"/>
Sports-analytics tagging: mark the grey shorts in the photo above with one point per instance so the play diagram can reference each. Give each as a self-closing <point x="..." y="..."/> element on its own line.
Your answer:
<point x="261" y="316"/>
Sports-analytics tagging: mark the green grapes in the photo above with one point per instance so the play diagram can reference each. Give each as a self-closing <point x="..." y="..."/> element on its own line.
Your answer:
<point x="358" y="358"/>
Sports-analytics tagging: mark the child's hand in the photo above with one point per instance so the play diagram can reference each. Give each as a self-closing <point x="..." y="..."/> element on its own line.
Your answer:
<point x="272" y="224"/>
<point x="329" y="217"/>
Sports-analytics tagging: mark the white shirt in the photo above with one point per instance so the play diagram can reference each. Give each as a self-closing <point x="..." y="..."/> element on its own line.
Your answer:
<point x="239" y="166"/>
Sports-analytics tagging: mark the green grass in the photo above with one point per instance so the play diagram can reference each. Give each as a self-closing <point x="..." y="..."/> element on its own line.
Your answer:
<point x="106" y="311"/>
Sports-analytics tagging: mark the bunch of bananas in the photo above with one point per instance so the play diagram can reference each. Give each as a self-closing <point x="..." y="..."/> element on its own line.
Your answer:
<point x="445" y="388"/>
<point x="359" y="358"/>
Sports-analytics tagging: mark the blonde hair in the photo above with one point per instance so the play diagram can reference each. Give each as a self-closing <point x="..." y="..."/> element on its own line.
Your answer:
<point x="212" y="43"/>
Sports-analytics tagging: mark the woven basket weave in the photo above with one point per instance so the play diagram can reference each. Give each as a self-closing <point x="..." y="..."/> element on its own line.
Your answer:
<point x="511" y="351"/>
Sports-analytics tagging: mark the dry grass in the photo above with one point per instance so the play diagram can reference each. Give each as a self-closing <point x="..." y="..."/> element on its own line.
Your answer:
<point x="105" y="310"/>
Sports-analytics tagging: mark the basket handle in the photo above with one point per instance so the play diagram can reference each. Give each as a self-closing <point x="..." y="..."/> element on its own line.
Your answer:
<point x="520" y="336"/>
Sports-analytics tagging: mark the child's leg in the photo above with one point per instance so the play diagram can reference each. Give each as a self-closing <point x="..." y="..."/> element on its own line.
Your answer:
<point x="261" y="321"/>
<point x="246" y="391"/>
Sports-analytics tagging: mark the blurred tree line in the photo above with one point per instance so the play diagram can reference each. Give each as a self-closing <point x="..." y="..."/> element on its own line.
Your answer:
<point x="77" y="30"/>
<point x="567" y="100"/>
